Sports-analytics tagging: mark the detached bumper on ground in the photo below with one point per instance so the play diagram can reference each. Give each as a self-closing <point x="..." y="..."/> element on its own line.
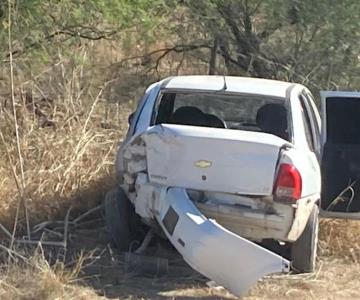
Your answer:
<point x="212" y="250"/>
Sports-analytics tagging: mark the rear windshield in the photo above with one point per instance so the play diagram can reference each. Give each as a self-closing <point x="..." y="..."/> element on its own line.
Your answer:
<point x="242" y="112"/>
<point x="342" y="120"/>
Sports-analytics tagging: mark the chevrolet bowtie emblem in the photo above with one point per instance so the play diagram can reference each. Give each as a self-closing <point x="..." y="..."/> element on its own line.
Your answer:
<point x="203" y="164"/>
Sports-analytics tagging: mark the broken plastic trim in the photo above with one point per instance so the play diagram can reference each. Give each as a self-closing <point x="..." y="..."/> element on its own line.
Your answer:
<point x="212" y="250"/>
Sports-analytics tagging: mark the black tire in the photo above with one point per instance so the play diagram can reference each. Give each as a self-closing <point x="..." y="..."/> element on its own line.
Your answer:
<point x="304" y="249"/>
<point x="122" y="221"/>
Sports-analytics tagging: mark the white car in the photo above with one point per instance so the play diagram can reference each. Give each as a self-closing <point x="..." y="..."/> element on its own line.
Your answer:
<point x="225" y="163"/>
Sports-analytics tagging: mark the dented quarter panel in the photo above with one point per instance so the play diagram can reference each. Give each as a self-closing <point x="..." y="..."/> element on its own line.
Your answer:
<point x="139" y="124"/>
<point x="303" y="208"/>
<point x="306" y="162"/>
<point x="146" y="194"/>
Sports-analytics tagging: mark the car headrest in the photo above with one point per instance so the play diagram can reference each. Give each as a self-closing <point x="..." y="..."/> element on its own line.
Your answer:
<point x="214" y="121"/>
<point x="272" y="118"/>
<point x="188" y="115"/>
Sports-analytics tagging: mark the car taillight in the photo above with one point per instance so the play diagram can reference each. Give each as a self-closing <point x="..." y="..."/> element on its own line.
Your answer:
<point x="288" y="184"/>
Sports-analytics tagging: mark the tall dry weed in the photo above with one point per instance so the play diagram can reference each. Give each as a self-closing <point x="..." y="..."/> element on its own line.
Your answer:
<point x="67" y="150"/>
<point x="25" y="278"/>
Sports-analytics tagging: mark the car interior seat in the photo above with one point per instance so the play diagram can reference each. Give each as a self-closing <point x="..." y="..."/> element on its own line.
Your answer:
<point x="214" y="121"/>
<point x="272" y="118"/>
<point x="188" y="115"/>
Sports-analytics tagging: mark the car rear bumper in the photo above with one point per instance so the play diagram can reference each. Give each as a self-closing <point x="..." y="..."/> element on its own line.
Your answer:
<point x="284" y="222"/>
<point x="211" y="249"/>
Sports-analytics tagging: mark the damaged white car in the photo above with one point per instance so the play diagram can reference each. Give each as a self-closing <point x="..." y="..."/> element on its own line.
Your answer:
<point x="223" y="164"/>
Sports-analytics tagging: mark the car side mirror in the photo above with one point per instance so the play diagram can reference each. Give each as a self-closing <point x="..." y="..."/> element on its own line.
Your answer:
<point x="131" y="117"/>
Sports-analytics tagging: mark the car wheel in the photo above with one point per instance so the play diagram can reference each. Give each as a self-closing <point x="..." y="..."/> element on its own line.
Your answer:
<point x="122" y="221"/>
<point x="304" y="249"/>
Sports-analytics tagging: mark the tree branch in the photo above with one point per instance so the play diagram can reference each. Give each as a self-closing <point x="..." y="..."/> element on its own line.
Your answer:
<point x="94" y="36"/>
<point x="176" y="49"/>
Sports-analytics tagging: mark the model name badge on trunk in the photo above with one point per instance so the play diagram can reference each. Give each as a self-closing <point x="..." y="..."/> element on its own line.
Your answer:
<point x="158" y="177"/>
<point x="203" y="164"/>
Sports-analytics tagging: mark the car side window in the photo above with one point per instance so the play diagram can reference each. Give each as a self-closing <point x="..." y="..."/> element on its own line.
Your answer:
<point x="133" y="118"/>
<point x="307" y="123"/>
<point x="316" y="133"/>
<point x="145" y="111"/>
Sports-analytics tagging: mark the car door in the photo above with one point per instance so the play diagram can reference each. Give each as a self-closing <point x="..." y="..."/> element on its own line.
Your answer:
<point x="307" y="141"/>
<point x="340" y="155"/>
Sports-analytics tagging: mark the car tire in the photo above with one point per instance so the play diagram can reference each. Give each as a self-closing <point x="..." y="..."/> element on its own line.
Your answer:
<point x="122" y="222"/>
<point x="304" y="249"/>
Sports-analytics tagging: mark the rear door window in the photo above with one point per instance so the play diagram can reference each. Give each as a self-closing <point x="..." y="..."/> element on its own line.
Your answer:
<point x="315" y="121"/>
<point x="307" y="123"/>
<point x="343" y="120"/>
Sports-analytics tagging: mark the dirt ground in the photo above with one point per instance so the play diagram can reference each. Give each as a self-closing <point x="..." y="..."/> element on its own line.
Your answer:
<point x="111" y="276"/>
<point x="92" y="268"/>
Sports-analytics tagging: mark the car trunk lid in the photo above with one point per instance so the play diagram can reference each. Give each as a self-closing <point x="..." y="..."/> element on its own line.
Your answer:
<point x="212" y="159"/>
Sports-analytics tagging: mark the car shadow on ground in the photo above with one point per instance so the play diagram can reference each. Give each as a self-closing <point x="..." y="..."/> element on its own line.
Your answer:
<point x="160" y="273"/>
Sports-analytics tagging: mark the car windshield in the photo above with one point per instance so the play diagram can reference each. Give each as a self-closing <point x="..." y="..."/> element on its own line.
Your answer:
<point x="242" y="112"/>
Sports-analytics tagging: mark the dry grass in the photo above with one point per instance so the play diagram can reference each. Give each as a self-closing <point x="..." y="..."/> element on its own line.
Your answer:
<point x="68" y="135"/>
<point x="34" y="279"/>
<point x="67" y="138"/>
<point x="339" y="239"/>
<point x="67" y="148"/>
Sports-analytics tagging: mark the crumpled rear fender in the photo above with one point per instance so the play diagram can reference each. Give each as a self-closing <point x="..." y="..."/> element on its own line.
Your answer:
<point x="212" y="250"/>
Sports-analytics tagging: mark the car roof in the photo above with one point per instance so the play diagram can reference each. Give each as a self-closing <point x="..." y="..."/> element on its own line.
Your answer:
<point x="245" y="85"/>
